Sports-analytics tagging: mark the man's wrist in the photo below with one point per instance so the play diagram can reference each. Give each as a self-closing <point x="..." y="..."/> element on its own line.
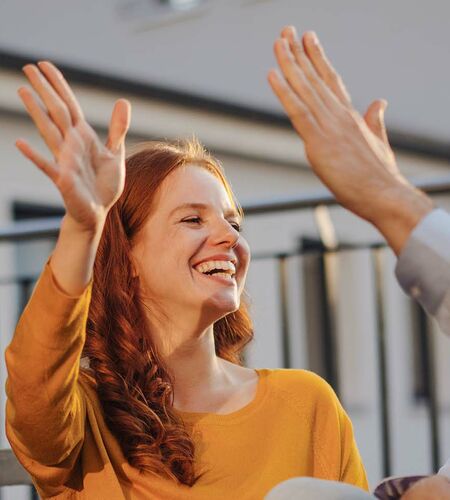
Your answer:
<point x="396" y="219"/>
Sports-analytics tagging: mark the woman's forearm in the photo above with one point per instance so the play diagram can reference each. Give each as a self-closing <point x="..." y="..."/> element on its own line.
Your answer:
<point x="89" y="174"/>
<point x="72" y="260"/>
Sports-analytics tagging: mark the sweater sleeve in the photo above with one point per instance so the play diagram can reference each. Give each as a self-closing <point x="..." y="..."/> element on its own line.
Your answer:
<point x="45" y="409"/>
<point x="334" y="438"/>
<point x="352" y="468"/>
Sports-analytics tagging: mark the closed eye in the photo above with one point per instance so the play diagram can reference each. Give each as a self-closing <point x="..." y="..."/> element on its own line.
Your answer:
<point x="196" y="220"/>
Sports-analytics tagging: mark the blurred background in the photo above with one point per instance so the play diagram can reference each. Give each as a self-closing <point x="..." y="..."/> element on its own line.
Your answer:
<point x="324" y="295"/>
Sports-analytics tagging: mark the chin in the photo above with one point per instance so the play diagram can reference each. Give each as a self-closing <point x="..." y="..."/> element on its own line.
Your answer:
<point x="230" y="310"/>
<point x="219" y="312"/>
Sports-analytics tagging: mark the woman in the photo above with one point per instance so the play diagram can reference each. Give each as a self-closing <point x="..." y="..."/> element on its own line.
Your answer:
<point x="124" y="374"/>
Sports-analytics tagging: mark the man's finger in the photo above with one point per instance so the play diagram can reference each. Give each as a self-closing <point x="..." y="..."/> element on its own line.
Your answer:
<point x="59" y="83"/>
<point x="300" y="116"/>
<point x="119" y="124"/>
<point x="374" y="117"/>
<point x="299" y="83"/>
<point x="49" y="168"/>
<point x="298" y="50"/>
<point x="48" y="130"/>
<point x="317" y="56"/>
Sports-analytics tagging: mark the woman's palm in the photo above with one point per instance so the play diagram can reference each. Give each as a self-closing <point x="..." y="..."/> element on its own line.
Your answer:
<point x="89" y="175"/>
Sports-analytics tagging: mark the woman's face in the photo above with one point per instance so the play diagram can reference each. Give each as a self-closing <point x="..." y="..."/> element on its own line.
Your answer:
<point x="177" y="237"/>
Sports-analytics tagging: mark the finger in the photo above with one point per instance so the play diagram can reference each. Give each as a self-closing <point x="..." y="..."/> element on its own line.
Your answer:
<point x="119" y="124"/>
<point x="48" y="130"/>
<point x="297" y="49"/>
<point x="299" y="114"/>
<point x="57" y="109"/>
<point x="59" y="83"/>
<point x="324" y="68"/>
<point x="374" y="117"/>
<point x="299" y="82"/>
<point x="47" y="167"/>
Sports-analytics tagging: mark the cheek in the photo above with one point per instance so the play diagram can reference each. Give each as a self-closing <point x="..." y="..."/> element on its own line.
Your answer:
<point x="243" y="254"/>
<point x="155" y="263"/>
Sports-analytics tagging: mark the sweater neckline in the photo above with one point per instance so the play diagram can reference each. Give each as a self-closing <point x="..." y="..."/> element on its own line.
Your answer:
<point x="248" y="409"/>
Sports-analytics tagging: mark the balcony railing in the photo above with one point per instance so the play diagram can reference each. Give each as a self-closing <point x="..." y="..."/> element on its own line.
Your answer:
<point x="11" y="473"/>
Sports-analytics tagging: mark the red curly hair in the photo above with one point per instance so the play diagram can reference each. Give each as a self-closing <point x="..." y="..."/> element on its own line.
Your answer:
<point x="133" y="384"/>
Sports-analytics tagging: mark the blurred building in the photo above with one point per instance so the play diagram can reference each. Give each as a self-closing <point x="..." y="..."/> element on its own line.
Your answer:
<point x="200" y="68"/>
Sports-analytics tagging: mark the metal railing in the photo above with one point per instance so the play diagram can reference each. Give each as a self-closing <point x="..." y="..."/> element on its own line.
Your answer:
<point x="11" y="472"/>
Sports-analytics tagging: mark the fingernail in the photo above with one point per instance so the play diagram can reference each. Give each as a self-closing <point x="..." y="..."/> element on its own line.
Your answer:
<point x="274" y="73"/>
<point x="281" y="43"/>
<point x="294" y="32"/>
<point x="314" y="38"/>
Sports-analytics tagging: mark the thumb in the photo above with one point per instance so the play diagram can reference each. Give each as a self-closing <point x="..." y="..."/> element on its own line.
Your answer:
<point x="374" y="119"/>
<point x="119" y="124"/>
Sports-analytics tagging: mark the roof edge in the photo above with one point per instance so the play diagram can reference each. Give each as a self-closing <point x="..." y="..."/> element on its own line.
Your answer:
<point x="400" y="140"/>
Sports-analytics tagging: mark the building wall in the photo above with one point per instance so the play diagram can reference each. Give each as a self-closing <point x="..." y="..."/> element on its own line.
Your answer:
<point x="382" y="49"/>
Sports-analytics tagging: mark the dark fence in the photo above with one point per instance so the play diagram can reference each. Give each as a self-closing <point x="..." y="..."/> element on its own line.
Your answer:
<point x="11" y="473"/>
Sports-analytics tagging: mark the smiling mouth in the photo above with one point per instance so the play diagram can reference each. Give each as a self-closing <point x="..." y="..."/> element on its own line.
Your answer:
<point x="220" y="277"/>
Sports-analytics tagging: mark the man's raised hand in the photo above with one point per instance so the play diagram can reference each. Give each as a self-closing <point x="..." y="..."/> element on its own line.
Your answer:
<point x="350" y="153"/>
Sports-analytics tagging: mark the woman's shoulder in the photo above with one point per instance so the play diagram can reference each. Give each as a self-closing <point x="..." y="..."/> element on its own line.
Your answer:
<point x="299" y="385"/>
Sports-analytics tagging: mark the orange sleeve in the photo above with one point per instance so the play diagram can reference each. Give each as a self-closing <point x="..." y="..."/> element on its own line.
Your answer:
<point x="334" y="439"/>
<point x="352" y="468"/>
<point x="45" y="409"/>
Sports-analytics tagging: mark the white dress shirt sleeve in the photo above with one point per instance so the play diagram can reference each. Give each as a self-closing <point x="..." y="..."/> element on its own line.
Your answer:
<point x="423" y="271"/>
<point x="423" y="267"/>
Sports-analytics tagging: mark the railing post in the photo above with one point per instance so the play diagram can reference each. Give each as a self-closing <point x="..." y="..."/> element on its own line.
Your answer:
<point x="382" y="362"/>
<point x="284" y="310"/>
<point x="429" y="382"/>
<point x="323" y="345"/>
<point x="328" y="277"/>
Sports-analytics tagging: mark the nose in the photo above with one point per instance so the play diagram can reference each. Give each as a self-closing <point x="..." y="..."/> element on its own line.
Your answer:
<point x="224" y="232"/>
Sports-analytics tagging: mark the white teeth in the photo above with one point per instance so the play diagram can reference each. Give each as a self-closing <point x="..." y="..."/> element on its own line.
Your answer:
<point x="227" y="266"/>
<point x="224" y="275"/>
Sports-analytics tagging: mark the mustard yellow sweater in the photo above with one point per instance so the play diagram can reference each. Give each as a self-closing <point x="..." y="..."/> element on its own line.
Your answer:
<point x="295" y="426"/>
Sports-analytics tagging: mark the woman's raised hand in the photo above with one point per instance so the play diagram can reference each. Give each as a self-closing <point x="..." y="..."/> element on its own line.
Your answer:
<point x="89" y="175"/>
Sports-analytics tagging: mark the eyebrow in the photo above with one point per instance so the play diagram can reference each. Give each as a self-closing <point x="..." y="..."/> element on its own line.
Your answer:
<point x="231" y="212"/>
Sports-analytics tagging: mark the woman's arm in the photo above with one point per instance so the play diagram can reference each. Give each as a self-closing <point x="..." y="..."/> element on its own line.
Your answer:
<point x="45" y="412"/>
<point x="89" y="175"/>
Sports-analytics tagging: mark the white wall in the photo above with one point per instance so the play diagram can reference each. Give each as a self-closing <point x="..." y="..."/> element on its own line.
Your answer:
<point x="383" y="49"/>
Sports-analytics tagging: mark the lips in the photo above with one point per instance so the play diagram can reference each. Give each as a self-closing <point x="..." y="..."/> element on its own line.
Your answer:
<point x="220" y="279"/>
<point x="221" y="256"/>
